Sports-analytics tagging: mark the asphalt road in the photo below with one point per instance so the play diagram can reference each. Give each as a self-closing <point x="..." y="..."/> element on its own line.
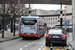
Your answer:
<point x="27" y="44"/>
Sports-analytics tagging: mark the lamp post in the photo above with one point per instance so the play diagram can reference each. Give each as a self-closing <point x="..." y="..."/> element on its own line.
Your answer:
<point x="73" y="20"/>
<point x="11" y="23"/>
<point x="65" y="17"/>
<point x="61" y="16"/>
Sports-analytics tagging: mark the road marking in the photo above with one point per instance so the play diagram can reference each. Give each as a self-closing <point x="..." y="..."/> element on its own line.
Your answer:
<point x="26" y="45"/>
<point x="39" y="49"/>
<point x="20" y="48"/>
<point x="32" y="42"/>
<point x="46" y="48"/>
<point x="57" y="49"/>
<point x="39" y="43"/>
<point x="29" y="43"/>
<point x="41" y="46"/>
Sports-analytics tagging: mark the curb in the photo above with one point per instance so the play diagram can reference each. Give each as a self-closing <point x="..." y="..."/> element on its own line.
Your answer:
<point x="71" y="46"/>
<point x="9" y="39"/>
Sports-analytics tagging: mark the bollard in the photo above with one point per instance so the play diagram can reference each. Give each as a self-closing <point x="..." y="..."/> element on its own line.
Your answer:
<point x="51" y="48"/>
<point x="67" y="47"/>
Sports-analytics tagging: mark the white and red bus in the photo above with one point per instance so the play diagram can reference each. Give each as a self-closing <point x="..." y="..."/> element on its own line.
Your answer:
<point x="31" y="26"/>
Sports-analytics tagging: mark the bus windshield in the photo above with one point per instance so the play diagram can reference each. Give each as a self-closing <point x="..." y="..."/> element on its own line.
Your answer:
<point x="29" y="21"/>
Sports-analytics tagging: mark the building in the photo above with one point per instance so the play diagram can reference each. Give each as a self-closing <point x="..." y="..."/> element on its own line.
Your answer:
<point x="68" y="9"/>
<point x="50" y="21"/>
<point x="41" y="12"/>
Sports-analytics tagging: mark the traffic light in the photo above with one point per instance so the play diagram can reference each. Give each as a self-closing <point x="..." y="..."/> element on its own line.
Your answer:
<point x="29" y="12"/>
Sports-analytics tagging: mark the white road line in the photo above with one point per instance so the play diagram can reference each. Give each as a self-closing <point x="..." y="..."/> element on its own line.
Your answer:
<point x="32" y="42"/>
<point x="29" y="43"/>
<point x="41" y="46"/>
<point x="39" y="49"/>
<point x="25" y="45"/>
<point x="40" y="43"/>
<point x="20" y="48"/>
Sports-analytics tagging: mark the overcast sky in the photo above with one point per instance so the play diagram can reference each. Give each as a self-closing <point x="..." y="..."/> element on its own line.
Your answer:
<point x="46" y="6"/>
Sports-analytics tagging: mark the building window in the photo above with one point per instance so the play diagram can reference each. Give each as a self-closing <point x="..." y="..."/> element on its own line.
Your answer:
<point x="44" y="19"/>
<point x="56" y="18"/>
<point x="49" y="22"/>
<point x="51" y="18"/>
<point x="47" y="19"/>
<point x="56" y="21"/>
<point x="35" y="12"/>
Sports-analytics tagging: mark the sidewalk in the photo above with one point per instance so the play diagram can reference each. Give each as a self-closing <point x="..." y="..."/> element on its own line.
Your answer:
<point x="72" y="43"/>
<point x="8" y="36"/>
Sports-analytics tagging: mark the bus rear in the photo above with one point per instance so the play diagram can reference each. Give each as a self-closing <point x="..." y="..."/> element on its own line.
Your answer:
<point x="28" y="27"/>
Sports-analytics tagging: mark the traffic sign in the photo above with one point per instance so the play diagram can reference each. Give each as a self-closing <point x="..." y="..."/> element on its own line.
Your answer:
<point x="63" y="19"/>
<point x="68" y="21"/>
<point x="65" y="22"/>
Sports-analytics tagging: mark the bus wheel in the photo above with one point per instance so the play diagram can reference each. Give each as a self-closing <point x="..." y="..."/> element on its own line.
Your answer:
<point x="23" y="38"/>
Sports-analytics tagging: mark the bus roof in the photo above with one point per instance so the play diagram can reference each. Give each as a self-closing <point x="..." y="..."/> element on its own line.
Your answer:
<point x="30" y="17"/>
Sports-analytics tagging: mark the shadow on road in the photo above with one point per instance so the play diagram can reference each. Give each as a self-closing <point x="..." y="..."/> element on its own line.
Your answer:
<point x="29" y="39"/>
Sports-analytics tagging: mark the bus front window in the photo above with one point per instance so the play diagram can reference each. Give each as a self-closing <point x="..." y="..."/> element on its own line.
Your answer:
<point x="29" y="21"/>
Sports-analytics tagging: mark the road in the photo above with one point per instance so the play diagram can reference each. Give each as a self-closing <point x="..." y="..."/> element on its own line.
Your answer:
<point x="27" y="44"/>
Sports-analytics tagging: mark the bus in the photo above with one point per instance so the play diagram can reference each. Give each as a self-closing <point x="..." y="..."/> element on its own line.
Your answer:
<point x="31" y="26"/>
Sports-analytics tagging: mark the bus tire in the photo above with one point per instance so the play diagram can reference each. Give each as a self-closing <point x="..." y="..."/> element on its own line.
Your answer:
<point x="23" y="38"/>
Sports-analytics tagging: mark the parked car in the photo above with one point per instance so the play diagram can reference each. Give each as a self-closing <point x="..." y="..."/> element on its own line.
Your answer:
<point x="56" y="36"/>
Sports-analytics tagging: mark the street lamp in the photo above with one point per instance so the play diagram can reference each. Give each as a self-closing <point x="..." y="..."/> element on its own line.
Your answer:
<point x="11" y="23"/>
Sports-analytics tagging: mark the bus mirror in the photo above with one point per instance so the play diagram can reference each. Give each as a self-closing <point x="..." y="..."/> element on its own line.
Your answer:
<point x="21" y="20"/>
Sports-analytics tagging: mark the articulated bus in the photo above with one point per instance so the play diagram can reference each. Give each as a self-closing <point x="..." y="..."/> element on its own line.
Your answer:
<point x="31" y="26"/>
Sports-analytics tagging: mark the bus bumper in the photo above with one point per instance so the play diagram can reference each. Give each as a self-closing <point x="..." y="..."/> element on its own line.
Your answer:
<point x="28" y="35"/>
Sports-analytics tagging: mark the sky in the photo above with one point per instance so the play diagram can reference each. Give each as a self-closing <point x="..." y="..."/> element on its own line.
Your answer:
<point x="46" y="6"/>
